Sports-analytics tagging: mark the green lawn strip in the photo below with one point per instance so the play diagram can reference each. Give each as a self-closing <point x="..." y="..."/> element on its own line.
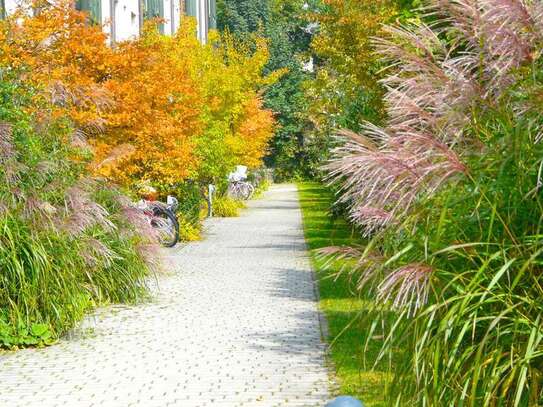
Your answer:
<point x="338" y="300"/>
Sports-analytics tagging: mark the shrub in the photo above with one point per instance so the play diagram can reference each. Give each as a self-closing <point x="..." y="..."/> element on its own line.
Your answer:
<point x="189" y="231"/>
<point x="66" y="242"/>
<point x="226" y="207"/>
<point x="191" y="200"/>
<point x="449" y="195"/>
<point x="262" y="187"/>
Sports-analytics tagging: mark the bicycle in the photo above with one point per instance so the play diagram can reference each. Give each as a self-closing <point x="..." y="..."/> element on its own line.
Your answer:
<point x="162" y="219"/>
<point x="242" y="190"/>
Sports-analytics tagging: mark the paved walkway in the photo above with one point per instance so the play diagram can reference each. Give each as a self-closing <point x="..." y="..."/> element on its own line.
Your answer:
<point x="234" y="325"/>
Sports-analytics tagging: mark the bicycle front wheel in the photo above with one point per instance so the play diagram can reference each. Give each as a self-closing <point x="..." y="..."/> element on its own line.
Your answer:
<point x="246" y="191"/>
<point x="250" y="191"/>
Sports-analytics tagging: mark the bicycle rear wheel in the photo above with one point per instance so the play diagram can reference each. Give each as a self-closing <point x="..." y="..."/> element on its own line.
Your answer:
<point x="166" y="225"/>
<point x="235" y="190"/>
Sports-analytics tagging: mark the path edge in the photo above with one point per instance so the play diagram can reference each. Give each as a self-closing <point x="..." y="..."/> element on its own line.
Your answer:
<point x="323" y="322"/>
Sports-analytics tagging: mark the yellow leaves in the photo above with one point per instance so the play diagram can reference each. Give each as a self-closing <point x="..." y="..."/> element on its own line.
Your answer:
<point x="346" y="84"/>
<point x="345" y="35"/>
<point x="230" y="76"/>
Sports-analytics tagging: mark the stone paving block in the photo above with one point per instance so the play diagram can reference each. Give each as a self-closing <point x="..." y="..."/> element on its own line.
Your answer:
<point x="233" y="322"/>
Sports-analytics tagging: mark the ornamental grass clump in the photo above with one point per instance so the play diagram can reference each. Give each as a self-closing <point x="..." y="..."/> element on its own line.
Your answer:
<point x="66" y="244"/>
<point x="449" y="195"/>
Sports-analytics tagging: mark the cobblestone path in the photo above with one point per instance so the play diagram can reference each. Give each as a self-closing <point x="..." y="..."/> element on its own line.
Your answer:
<point x="235" y="323"/>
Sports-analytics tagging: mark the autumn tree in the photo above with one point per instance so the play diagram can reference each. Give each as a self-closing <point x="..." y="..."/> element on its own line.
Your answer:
<point x="237" y="128"/>
<point x="59" y="53"/>
<point x="345" y="89"/>
<point x="346" y="85"/>
<point x="149" y="131"/>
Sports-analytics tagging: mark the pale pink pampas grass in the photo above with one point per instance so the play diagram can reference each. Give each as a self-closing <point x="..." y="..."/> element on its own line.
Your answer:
<point x="82" y="212"/>
<point x="439" y="73"/>
<point x="407" y="287"/>
<point x="8" y="154"/>
<point x="432" y="88"/>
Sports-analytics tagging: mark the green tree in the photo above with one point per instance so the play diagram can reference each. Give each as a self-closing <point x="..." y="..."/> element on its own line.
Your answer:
<point x="242" y="17"/>
<point x="283" y="23"/>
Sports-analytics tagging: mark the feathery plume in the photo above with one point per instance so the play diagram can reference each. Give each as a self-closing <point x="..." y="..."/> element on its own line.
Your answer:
<point x="438" y="73"/>
<point x="388" y="180"/>
<point x="360" y="264"/>
<point x="408" y="287"/>
<point x="7" y="148"/>
<point x="138" y="220"/>
<point x="96" y="253"/>
<point x="8" y="155"/>
<point x="78" y="139"/>
<point x="83" y="212"/>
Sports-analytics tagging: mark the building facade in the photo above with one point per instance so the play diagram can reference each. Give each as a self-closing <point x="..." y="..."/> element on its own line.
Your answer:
<point x="123" y="19"/>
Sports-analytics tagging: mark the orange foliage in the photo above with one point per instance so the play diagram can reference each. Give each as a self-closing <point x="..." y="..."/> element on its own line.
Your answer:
<point x="157" y="111"/>
<point x="57" y="50"/>
<point x="254" y="134"/>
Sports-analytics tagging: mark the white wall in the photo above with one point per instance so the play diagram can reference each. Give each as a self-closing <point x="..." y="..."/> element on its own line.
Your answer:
<point x="106" y="17"/>
<point x="127" y="19"/>
<point x="178" y="14"/>
<point x="172" y="15"/>
<point x="202" y="17"/>
<point x="168" y="17"/>
<point x="11" y="5"/>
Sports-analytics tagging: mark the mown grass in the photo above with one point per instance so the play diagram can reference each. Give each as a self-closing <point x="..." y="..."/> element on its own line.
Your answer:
<point x="340" y="302"/>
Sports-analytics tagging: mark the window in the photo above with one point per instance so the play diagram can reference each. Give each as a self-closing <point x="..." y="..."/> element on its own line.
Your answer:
<point x="155" y="9"/>
<point x="190" y="7"/>
<point x="93" y="7"/>
<point x="213" y="14"/>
